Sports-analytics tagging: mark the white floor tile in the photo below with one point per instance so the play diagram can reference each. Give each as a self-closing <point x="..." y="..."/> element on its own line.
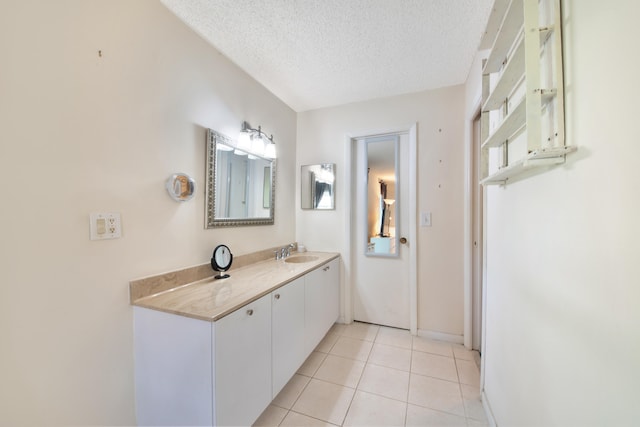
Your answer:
<point x="387" y="382"/>
<point x="341" y="371"/>
<point x="394" y="337"/>
<point x="352" y="348"/>
<point x="431" y="346"/>
<point x="361" y="331"/>
<point x="468" y="372"/>
<point x="327" y="342"/>
<point x="337" y="328"/>
<point x="290" y="393"/>
<point x="436" y="394"/>
<point x="434" y="365"/>
<point x="311" y="365"/>
<point x="369" y="375"/>
<point x="390" y="356"/>
<point x="475" y="423"/>
<point x="460" y="352"/>
<point x="324" y="401"/>
<point x="372" y="410"/>
<point x="425" y="417"/>
<point x="472" y="403"/>
<point x="293" y="419"/>
<point x="271" y="417"/>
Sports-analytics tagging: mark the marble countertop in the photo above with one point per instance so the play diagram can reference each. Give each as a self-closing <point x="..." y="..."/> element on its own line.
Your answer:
<point x="211" y="299"/>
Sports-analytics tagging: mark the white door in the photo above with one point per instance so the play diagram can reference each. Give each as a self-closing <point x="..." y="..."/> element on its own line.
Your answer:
<point x="380" y="210"/>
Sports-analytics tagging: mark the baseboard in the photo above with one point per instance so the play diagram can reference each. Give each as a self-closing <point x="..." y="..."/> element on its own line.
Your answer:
<point x="487" y="410"/>
<point x="441" y="336"/>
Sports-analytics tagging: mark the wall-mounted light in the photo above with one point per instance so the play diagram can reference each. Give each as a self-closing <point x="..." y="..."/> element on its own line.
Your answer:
<point x="256" y="142"/>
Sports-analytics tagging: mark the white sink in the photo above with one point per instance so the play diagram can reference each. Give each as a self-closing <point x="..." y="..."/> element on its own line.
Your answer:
<point x="301" y="258"/>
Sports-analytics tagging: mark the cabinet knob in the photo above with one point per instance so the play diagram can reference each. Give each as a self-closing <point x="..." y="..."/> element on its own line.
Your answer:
<point x="327" y="268"/>
<point x="277" y="296"/>
<point x="250" y="312"/>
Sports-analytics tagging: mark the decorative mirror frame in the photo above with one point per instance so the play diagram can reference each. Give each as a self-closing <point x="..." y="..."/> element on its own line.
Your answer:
<point x="210" y="206"/>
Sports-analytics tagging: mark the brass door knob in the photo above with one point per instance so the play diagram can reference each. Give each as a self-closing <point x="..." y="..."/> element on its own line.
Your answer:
<point x="403" y="240"/>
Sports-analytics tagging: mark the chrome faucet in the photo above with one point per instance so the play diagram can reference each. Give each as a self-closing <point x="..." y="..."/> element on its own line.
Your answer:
<point x="284" y="251"/>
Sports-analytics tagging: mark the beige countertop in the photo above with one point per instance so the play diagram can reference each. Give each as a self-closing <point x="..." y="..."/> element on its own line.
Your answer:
<point x="211" y="299"/>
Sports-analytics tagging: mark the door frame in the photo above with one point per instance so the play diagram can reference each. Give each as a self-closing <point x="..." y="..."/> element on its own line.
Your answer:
<point x="350" y="252"/>
<point x="469" y="210"/>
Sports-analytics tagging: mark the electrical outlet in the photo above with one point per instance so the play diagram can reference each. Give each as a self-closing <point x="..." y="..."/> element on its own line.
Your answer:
<point x="106" y="225"/>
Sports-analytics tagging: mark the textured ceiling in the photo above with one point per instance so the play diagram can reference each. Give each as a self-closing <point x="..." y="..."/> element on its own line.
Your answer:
<point x="320" y="53"/>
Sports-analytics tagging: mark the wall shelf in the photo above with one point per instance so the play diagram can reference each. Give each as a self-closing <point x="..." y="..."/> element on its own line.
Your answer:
<point x="538" y="158"/>
<point x="509" y="28"/>
<point x="525" y="63"/>
<point x="513" y="73"/>
<point x="513" y="123"/>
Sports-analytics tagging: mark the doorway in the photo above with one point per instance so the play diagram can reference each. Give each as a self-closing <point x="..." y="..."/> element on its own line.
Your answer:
<point x="382" y="229"/>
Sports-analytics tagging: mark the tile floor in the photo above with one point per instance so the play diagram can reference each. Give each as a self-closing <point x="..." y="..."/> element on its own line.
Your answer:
<point x="367" y="375"/>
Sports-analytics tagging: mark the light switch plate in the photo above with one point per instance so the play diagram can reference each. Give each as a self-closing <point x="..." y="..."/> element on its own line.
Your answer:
<point x="105" y="225"/>
<point x="425" y="219"/>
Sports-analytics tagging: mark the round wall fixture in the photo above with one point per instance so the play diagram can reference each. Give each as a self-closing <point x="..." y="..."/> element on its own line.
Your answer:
<point x="221" y="260"/>
<point x="181" y="187"/>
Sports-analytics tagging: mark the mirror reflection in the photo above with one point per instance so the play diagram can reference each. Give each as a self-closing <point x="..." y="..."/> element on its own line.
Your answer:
<point x="317" y="184"/>
<point x="240" y="186"/>
<point x="381" y="155"/>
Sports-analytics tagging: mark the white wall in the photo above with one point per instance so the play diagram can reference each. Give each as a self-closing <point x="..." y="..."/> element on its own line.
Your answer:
<point x="81" y="133"/>
<point x="322" y="136"/>
<point x="563" y="294"/>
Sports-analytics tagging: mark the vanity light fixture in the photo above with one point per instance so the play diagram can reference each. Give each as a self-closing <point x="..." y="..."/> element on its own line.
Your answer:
<point x="257" y="142"/>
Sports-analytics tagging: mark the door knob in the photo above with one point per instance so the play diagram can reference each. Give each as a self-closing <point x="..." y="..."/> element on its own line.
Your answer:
<point x="403" y="240"/>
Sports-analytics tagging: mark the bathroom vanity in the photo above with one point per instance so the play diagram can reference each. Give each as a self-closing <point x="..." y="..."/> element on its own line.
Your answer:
<point x="216" y="352"/>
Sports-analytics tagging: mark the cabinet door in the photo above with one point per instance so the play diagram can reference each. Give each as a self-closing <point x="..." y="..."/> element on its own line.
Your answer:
<point x="287" y="329"/>
<point x="322" y="302"/>
<point x="243" y="364"/>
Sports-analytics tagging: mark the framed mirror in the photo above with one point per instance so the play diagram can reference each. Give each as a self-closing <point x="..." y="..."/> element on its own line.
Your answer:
<point x="240" y="187"/>
<point x="317" y="183"/>
<point x="381" y="155"/>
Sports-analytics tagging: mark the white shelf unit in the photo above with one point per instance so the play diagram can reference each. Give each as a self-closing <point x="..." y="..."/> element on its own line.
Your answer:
<point x="525" y="67"/>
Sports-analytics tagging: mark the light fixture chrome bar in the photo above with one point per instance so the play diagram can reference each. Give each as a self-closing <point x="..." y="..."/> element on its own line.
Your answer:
<point x="269" y="151"/>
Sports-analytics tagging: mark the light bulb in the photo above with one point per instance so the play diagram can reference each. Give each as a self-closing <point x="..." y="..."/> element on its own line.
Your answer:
<point x="270" y="150"/>
<point x="244" y="141"/>
<point x="257" y="146"/>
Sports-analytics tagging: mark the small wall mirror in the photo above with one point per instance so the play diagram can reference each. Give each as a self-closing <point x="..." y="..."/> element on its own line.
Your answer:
<point x="181" y="187"/>
<point x="240" y="187"/>
<point x="382" y="204"/>
<point x="318" y="186"/>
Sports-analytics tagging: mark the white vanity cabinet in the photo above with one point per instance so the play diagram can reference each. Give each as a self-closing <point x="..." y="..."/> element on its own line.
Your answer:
<point x="195" y="372"/>
<point x="242" y="352"/>
<point x="322" y="302"/>
<point x="226" y="372"/>
<point x="288" y="331"/>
